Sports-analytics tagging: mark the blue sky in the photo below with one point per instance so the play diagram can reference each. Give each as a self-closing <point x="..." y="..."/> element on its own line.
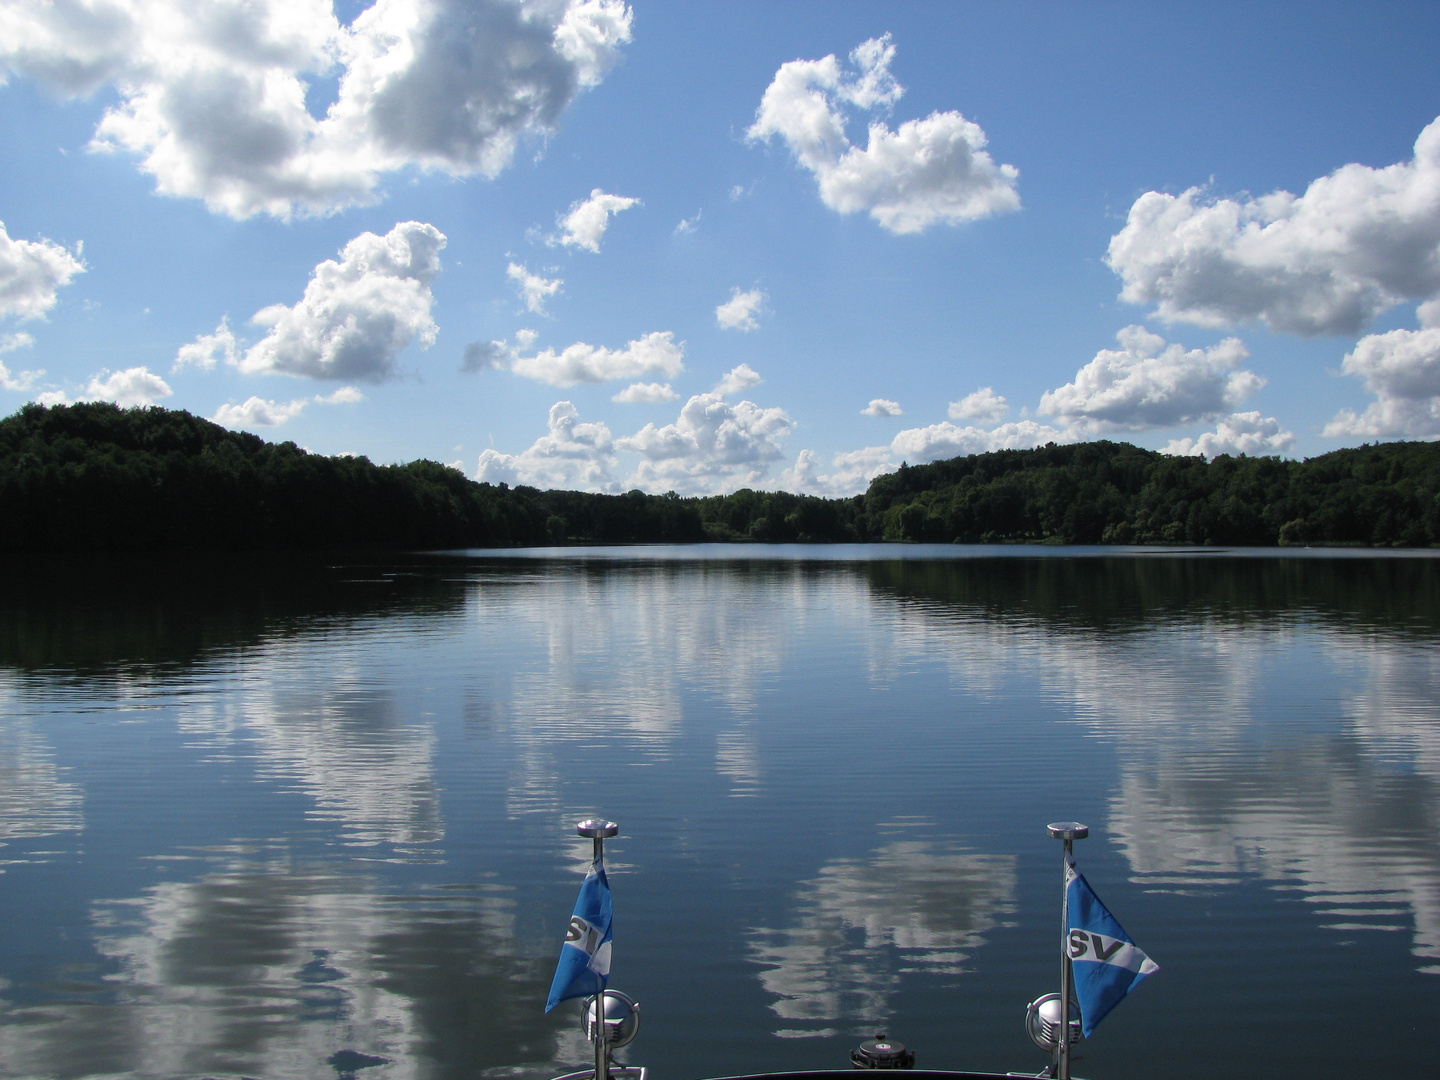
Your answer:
<point x="696" y="247"/>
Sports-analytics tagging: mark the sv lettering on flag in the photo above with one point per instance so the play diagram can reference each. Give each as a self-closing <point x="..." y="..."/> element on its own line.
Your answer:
<point x="582" y="935"/>
<point x="1082" y="945"/>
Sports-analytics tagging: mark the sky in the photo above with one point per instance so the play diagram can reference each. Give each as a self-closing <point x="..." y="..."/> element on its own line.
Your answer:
<point x="695" y="247"/>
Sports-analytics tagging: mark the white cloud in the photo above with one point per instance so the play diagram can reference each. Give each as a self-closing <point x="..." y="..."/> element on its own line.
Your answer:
<point x="1147" y="384"/>
<point x="882" y="407"/>
<point x="925" y="172"/>
<point x="712" y="446"/>
<point x="18" y="380"/>
<point x="357" y="314"/>
<point x="585" y="224"/>
<point x="984" y="405"/>
<point x="582" y="363"/>
<point x="570" y="455"/>
<point x="1402" y="370"/>
<point x="852" y="472"/>
<point x="945" y="440"/>
<point x="346" y="395"/>
<point x="737" y="380"/>
<point x="688" y="225"/>
<point x="1144" y="384"/>
<point x="212" y="96"/>
<point x="130" y="388"/>
<point x="534" y="289"/>
<point x="1239" y="433"/>
<point x="11" y="342"/>
<point x="31" y="272"/>
<point x="480" y="355"/>
<point x="1326" y="262"/>
<point x="738" y="313"/>
<point x="257" y="412"/>
<point x="645" y="392"/>
<point x="202" y="351"/>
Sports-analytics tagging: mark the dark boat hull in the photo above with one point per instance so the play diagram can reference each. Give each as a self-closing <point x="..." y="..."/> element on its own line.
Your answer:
<point x="854" y="1074"/>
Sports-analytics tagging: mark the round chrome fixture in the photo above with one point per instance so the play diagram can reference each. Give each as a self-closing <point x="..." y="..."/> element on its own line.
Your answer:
<point x="1042" y="1022"/>
<point x="622" y="1019"/>
<point x="596" y="828"/>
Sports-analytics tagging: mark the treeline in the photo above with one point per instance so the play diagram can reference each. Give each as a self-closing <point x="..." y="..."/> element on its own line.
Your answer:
<point x="94" y="477"/>
<point x="1114" y="493"/>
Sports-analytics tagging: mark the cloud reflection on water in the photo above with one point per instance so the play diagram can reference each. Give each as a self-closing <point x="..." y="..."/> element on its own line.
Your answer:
<point x="1348" y="820"/>
<point x="605" y="653"/>
<point x="348" y="745"/>
<point x="272" y="970"/>
<point x="1306" y="755"/>
<point x="861" y="925"/>
<point x="34" y="801"/>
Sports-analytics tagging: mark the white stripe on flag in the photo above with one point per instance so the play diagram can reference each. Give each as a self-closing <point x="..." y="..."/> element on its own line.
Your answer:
<point x="600" y="961"/>
<point x="1097" y="948"/>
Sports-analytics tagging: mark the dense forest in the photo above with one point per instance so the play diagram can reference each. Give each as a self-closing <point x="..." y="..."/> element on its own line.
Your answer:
<point x="94" y="477"/>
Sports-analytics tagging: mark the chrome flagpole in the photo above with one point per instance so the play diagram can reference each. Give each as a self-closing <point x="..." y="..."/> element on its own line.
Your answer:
<point x="598" y="829"/>
<point x="1068" y="831"/>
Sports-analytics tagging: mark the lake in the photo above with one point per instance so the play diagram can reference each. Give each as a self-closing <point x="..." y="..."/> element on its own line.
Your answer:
<point x="315" y="818"/>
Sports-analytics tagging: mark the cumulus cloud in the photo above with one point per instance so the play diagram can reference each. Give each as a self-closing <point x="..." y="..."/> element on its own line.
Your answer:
<point x="205" y="349"/>
<point x="738" y="313"/>
<point x="584" y="226"/>
<point x="1239" y="433"/>
<point x="212" y="97"/>
<point x="645" y="392"/>
<point x="130" y="388"/>
<point x="13" y="341"/>
<point x="1402" y="370"/>
<point x="929" y="171"/>
<point x="257" y="412"/>
<point x="481" y="355"/>
<point x="688" y="225"/>
<point x="346" y="395"/>
<point x="851" y="472"/>
<point x="946" y="440"/>
<point x="31" y="273"/>
<point x="737" y="380"/>
<point x="984" y="405"/>
<point x="534" y="289"/>
<point x="1326" y="262"/>
<point x="357" y="314"/>
<point x="582" y="363"/>
<point x="712" y="446"/>
<point x="882" y="407"/>
<point x="17" y="380"/>
<point x="570" y="455"/>
<point x="1148" y="384"/>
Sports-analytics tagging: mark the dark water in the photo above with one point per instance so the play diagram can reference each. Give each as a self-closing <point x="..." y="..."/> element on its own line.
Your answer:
<point x="315" y="819"/>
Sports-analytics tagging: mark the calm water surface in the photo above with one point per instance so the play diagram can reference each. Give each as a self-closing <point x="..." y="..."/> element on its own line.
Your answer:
<point x="316" y="819"/>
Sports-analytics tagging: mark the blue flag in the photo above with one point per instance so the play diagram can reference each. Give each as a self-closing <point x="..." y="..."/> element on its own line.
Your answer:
<point x="1107" y="964"/>
<point x="585" y="957"/>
